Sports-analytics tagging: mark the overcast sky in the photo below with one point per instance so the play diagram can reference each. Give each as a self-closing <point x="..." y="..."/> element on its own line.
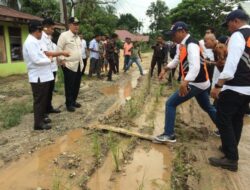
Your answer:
<point x="138" y="9"/>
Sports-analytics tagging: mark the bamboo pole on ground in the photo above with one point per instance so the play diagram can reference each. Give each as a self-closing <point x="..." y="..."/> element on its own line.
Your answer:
<point x="121" y="131"/>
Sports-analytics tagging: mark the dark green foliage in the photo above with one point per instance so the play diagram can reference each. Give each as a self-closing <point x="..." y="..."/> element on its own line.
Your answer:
<point x="42" y="8"/>
<point x="96" y="19"/>
<point x="129" y="22"/>
<point x="200" y="14"/>
<point x="159" y="13"/>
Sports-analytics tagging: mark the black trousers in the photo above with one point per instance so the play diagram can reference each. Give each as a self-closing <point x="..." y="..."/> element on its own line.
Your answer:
<point x="210" y="70"/>
<point x="84" y="65"/>
<point x="171" y="75"/>
<point x="111" y="67"/>
<point x="159" y="63"/>
<point x="72" y="81"/>
<point x="50" y="95"/>
<point x="116" y="63"/>
<point x="231" y="107"/>
<point x="40" y="98"/>
<point x="94" y="67"/>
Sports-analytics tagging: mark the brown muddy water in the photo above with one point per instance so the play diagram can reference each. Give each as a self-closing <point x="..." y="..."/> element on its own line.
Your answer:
<point x="149" y="170"/>
<point x="124" y="89"/>
<point x="37" y="170"/>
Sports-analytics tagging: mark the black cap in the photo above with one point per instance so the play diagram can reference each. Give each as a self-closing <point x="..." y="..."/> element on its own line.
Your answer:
<point x="35" y="25"/>
<point x="177" y="26"/>
<point x="235" y="14"/>
<point x="48" y="22"/>
<point x="223" y="39"/>
<point x="73" y="20"/>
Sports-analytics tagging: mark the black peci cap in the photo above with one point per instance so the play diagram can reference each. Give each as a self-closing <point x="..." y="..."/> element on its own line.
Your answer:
<point x="48" y="22"/>
<point x="35" y="25"/>
<point x="73" y="20"/>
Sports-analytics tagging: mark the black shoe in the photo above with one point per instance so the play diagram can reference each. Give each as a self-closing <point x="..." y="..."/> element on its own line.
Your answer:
<point x="224" y="163"/>
<point x="109" y="79"/>
<point x="77" y="105"/>
<point x="42" y="127"/>
<point x="54" y="111"/>
<point x="71" y="109"/>
<point x="47" y="120"/>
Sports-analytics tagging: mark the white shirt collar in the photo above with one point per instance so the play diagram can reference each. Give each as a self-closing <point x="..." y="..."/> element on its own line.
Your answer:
<point x="185" y="39"/>
<point x="45" y="35"/>
<point x="245" y="26"/>
<point x="34" y="38"/>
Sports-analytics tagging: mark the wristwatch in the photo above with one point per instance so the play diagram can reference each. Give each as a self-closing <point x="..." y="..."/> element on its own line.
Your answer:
<point x="217" y="86"/>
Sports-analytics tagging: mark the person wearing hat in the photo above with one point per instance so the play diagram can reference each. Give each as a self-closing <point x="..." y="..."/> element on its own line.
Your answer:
<point x="73" y="65"/>
<point x="195" y="80"/>
<point x="233" y="90"/>
<point x="49" y="49"/>
<point x="39" y="72"/>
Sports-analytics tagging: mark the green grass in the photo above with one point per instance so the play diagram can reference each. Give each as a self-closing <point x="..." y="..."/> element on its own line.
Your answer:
<point x="182" y="168"/>
<point x="115" y="150"/>
<point x="11" y="115"/>
<point x="60" y="81"/>
<point x="141" y="185"/>
<point x="134" y="106"/>
<point x="96" y="146"/>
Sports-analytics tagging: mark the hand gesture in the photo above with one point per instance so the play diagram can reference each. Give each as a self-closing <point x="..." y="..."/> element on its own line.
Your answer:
<point x="65" y="53"/>
<point x="184" y="89"/>
<point x="162" y="74"/>
<point x="215" y="93"/>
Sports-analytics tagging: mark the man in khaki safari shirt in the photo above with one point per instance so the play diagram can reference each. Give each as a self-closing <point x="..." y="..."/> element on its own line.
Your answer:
<point x="72" y="66"/>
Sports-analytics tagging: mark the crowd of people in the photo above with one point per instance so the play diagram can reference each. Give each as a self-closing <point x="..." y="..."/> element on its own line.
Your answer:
<point x="71" y="52"/>
<point x="216" y="66"/>
<point x="225" y="63"/>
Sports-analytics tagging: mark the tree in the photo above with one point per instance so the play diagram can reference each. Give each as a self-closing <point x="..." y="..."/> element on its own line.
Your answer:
<point x="128" y="22"/>
<point x="10" y="3"/>
<point x="158" y="12"/>
<point x="101" y="19"/>
<point x="42" y="8"/>
<point x="200" y="14"/>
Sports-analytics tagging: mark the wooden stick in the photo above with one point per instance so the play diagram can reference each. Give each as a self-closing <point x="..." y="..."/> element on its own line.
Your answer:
<point x="121" y="131"/>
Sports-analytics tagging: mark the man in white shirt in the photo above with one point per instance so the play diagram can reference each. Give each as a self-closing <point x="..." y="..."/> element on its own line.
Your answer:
<point x="48" y="46"/>
<point x="208" y="54"/>
<point x="72" y="66"/>
<point x="84" y="53"/>
<point x="39" y="72"/>
<point x="94" y="56"/>
<point x="195" y="81"/>
<point x="233" y="90"/>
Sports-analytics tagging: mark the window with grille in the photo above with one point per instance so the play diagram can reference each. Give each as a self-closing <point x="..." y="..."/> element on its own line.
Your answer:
<point x="15" y="43"/>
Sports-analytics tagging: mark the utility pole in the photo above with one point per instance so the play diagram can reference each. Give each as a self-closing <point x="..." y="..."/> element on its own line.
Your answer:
<point x="64" y="16"/>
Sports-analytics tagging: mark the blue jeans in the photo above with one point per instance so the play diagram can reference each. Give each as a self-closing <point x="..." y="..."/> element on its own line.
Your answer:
<point x="202" y="98"/>
<point x="126" y="61"/>
<point x="138" y="63"/>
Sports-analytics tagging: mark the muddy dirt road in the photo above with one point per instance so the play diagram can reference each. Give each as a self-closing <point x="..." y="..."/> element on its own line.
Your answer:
<point x="73" y="156"/>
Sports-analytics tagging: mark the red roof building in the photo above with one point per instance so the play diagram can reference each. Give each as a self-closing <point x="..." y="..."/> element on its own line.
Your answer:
<point x="123" y="34"/>
<point x="12" y="15"/>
